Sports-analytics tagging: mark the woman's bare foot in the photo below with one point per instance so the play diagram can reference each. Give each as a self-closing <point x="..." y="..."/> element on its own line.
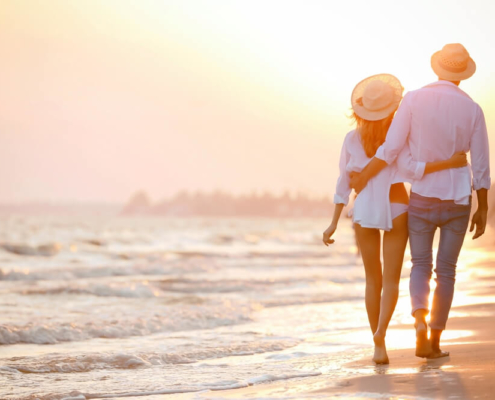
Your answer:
<point x="380" y="356"/>
<point x="423" y="345"/>
<point x="437" y="353"/>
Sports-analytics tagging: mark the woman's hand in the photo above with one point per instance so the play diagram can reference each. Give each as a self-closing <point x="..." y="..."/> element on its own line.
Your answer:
<point x="328" y="234"/>
<point x="458" y="160"/>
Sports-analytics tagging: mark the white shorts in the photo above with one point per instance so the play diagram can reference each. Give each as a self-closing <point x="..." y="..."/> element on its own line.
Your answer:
<point x="398" y="209"/>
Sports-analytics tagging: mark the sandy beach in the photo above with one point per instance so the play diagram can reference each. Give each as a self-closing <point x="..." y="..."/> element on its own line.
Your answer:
<point x="468" y="373"/>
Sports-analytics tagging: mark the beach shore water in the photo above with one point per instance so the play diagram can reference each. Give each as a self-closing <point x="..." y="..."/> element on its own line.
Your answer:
<point x="152" y="309"/>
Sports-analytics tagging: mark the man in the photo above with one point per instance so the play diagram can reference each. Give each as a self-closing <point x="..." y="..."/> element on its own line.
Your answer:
<point x="437" y="121"/>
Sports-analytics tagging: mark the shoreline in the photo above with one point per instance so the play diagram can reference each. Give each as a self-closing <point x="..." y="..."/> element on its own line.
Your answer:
<point x="304" y="335"/>
<point x="468" y="373"/>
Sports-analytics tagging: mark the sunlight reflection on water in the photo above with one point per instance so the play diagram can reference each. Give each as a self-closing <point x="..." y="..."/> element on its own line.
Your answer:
<point x="192" y="305"/>
<point x="398" y="338"/>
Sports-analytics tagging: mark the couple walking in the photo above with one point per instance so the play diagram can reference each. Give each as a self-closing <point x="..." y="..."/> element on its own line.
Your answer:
<point x="425" y="143"/>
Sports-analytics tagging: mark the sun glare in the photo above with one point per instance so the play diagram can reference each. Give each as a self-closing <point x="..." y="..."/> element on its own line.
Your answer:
<point x="192" y="72"/>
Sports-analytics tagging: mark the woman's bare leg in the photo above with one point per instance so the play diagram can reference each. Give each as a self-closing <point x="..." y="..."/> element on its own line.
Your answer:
<point x="394" y="246"/>
<point x="369" y="242"/>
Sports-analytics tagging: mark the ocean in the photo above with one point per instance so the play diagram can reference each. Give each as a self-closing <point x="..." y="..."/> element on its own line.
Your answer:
<point x="155" y="308"/>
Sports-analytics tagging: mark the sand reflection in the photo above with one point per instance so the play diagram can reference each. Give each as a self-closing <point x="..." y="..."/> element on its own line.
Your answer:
<point x="399" y="338"/>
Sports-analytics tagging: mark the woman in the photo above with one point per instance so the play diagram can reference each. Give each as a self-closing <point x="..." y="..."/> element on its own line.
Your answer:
<point x="382" y="205"/>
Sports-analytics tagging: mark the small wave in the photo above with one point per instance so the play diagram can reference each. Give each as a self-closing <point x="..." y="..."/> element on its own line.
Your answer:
<point x="253" y="285"/>
<point x="63" y="363"/>
<point x="168" y="319"/>
<point x="272" y="378"/>
<point x="213" y="386"/>
<point x="175" y="286"/>
<point x="94" y="242"/>
<point x="136" y="290"/>
<point x="309" y="299"/>
<point x="83" y="363"/>
<point x="45" y="250"/>
<point x="72" y="273"/>
<point x="199" y="254"/>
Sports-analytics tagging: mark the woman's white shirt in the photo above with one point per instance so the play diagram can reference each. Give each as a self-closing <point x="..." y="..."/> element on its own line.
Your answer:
<point x="372" y="205"/>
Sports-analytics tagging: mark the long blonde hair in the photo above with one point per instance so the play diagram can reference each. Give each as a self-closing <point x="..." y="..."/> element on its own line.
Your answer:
<point x="373" y="133"/>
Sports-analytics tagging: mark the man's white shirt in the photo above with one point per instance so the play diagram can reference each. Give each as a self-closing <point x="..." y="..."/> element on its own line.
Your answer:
<point x="436" y="122"/>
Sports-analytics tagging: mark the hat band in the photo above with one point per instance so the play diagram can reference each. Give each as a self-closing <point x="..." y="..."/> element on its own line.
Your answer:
<point x="379" y="109"/>
<point x="451" y="68"/>
<point x="359" y="102"/>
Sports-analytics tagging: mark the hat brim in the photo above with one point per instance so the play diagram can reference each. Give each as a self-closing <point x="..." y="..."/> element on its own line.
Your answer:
<point x="449" y="75"/>
<point x="377" y="115"/>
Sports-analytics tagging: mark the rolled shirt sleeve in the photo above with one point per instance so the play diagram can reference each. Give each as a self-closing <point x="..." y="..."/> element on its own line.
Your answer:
<point x="480" y="155"/>
<point x="343" y="189"/>
<point x="410" y="168"/>
<point x="397" y="133"/>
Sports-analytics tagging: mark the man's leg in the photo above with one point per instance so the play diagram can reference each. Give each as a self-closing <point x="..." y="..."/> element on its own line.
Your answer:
<point x="452" y="233"/>
<point x="421" y="232"/>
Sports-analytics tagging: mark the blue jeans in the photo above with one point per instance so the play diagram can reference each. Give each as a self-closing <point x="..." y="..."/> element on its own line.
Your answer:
<point x="426" y="214"/>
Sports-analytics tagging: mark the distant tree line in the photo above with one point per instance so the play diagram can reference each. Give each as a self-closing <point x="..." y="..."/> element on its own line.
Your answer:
<point x="219" y="203"/>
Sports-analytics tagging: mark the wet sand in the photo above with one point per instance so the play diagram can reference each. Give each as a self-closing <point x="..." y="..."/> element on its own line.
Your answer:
<point x="468" y="373"/>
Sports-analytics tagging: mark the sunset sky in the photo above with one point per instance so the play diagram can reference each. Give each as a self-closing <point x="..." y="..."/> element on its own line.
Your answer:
<point x="100" y="98"/>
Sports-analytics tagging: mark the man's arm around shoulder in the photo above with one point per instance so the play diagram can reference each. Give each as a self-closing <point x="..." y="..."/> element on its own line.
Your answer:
<point x="388" y="151"/>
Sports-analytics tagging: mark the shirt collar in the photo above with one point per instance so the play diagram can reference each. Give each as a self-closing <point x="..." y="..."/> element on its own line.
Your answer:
<point x="448" y="84"/>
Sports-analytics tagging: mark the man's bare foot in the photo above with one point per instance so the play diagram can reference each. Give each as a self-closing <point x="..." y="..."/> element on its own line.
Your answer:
<point x="423" y="345"/>
<point x="380" y="356"/>
<point x="437" y="353"/>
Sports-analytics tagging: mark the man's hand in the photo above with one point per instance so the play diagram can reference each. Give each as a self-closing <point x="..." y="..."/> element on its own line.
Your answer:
<point x="479" y="219"/>
<point x="358" y="181"/>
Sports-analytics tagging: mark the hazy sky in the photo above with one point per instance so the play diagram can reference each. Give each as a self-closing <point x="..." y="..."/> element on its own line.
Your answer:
<point x="99" y="98"/>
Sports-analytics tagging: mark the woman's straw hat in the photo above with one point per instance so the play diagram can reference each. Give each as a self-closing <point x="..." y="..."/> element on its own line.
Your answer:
<point x="376" y="97"/>
<point x="453" y="63"/>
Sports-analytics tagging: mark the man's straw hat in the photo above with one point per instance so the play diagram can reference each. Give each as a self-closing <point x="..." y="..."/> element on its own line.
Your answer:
<point x="376" y="97"/>
<point x="453" y="63"/>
